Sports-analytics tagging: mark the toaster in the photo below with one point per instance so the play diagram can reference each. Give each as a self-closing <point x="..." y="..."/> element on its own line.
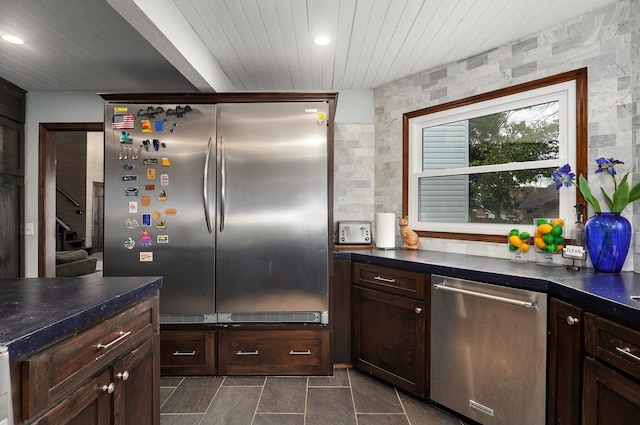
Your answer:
<point x="354" y="232"/>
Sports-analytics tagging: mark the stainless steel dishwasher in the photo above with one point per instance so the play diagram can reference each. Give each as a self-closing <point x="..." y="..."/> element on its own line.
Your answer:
<point x="488" y="351"/>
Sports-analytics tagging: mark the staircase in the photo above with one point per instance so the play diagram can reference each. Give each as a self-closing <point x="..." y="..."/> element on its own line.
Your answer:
<point x="67" y="239"/>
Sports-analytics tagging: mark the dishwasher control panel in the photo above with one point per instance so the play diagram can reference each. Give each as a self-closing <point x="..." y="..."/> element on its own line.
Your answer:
<point x="354" y="232"/>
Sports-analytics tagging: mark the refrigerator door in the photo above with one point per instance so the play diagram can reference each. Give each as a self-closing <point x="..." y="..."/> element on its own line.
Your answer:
<point x="156" y="204"/>
<point x="273" y="231"/>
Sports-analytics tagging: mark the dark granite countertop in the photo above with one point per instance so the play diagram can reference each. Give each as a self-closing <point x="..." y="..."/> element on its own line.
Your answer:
<point x="605" y="293"/>
<point x="37" y="311"/>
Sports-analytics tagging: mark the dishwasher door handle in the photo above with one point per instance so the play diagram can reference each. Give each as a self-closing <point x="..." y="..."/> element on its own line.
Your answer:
<point x="527" y="304"/>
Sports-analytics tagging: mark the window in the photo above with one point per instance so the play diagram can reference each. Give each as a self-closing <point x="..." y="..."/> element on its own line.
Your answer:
<point x="482" y="165"/>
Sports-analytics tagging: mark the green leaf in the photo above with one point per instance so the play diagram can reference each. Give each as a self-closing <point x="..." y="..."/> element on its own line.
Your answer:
<point x="586" y="193"/>
<point x="607" y="199"/>
<point x="621" y="196"/>
<point x="634" y="194"/>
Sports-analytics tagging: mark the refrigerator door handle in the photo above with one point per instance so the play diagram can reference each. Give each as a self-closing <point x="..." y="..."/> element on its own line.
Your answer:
<point x="223" y="182"/>
<point x="205" y="190"/>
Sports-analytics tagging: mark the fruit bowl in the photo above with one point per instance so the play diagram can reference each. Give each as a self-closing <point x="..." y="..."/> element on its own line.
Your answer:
<point x="518" y="243"/>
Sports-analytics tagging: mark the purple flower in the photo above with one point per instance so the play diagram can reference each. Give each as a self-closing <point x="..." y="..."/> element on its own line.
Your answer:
<point x="563" y="176"/>
<point x="608" y="165"/>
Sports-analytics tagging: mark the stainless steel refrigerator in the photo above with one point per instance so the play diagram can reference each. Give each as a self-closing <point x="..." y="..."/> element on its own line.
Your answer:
<point x="229" y="203"/>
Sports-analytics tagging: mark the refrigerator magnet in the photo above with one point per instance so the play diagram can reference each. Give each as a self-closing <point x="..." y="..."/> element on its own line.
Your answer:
<point x="129" y="178"/>
<point x="166" y="162"/>
<point x="151" y="173"/>
<point x="145" y="200"/>
<point x="159" y="125"/>
<point x="131" y="223"/>
<point x="145" y="239"/>
<point x="155" y="215"/>
<point x="149" y="187"/>
<point x="146" y="219"/>
<point x="156" y="144"/>
<point x="128" y="167"/>
<point x="146" y="257"/>
<point x="162" y="196"/>
<point x="162" y="239"/>
<point x="164" y="179"/>
<point x="161" y="225"/>
<point x="129" y="243"/>
<point x="133" y="207"/>
<point x="146" y="126"/>
<point x="125" y="138"/>
<point x="170" y="211"/>
<point x="150" y="161"/>
<point x="131" y="191"/>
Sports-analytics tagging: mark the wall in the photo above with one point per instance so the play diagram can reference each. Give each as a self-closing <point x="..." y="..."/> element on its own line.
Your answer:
<point x="605" y="42"/>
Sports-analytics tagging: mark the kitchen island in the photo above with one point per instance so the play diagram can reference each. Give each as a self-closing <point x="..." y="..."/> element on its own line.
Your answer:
<point x="82" y="349"/>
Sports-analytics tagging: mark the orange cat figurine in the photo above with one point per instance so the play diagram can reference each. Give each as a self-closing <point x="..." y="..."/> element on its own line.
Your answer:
<point x="411" y="240"/>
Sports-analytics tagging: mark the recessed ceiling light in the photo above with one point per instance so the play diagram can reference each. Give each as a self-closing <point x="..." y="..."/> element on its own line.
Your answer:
<point x="321" y="40"/>
<point x="13" y="39"/>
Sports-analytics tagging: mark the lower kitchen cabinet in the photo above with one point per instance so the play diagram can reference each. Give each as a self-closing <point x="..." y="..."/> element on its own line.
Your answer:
<point x="105" y="374"/>
<point x="187" y="352"/>
<point x="611" y="392"/>
<point x="564" y="363"/>
<point x="389" y="326"/>
<point x="243" y="351"/>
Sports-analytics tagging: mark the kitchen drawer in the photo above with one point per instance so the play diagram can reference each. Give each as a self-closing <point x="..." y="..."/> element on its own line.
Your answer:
<point x="187" y="352"/>
<point x="62" y="368"/>
<point x="391" y="280"/>
<point x="613" y="343"/>
<point x="273" y="352"/>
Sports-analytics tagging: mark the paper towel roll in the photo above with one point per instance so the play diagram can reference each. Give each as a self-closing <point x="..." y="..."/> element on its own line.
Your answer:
<point x="385" y="230"/>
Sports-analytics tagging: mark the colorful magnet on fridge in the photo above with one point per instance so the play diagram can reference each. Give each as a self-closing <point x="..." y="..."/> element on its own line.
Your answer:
<point x="159" y="125"/>
<point x="170" y="211"/>
<point x="133" y="207"/>
<point x="164" y="179"/>
<point x="129" y="243"/>
<point x="129" y="178"/>
<point x="146" y="126"/>
<point x="162" y="239"/>
<point x="145" y="239"/>
<point x="161" y="225"/>
<point x="145" y="200"/>
<point x="128" y="167"/>
<point x="125" y="137"/>
<point x="150" y="161"/>
<point x="146" y="219"/>
<point x="146" y="143"/>
<point x="146" y="257"/>
<point x="162" y="196"/>
<point x="155" y="214"/>
<point x="151" y="173"/>
<point x="156" y="144"/>
<point x="165" y="162"/>
<point x="131" y="191"/>
<point x="131" y="223"/>
<point x="149" y="187"/>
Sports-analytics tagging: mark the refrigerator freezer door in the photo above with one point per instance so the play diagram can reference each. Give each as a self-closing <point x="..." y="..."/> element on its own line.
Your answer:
<point x="273" y="231"/>
<point x="155" y="204"/>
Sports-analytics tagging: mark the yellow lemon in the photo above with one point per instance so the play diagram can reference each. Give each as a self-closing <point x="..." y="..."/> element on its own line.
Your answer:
<point x="544" y="228"/>
<point x="557" y="222"/>
<point x="539" y="243"/>
<point x="515" y="240"/>
<point x="524" y="247"/>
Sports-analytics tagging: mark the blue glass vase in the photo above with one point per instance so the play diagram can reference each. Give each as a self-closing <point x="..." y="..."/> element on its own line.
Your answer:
<point x="608" y="236"/>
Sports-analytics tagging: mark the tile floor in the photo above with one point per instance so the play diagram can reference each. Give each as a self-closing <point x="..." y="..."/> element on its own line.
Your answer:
<point x="347" y="398"/>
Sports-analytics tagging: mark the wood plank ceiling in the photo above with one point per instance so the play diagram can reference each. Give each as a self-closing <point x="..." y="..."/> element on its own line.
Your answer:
<point x="261" y="44"/>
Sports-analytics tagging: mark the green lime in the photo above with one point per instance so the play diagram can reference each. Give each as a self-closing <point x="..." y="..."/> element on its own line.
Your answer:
<point x="542" y="221"/>
<point x="548" y="238"/>
<point x="514" y="232"/>
<point x="556" y="231"/>
<point x="512" y="248"/>
<point x="558" y="240"/>
<point x="524" y="236"/>
<point x="551" y="247"/>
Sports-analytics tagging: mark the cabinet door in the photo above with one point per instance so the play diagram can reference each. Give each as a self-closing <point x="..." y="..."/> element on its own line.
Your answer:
<point x="136" y="379"/>
<point x="565" y="363"/>
<point x="609" y="397"/>
<point x="90" y="405"/>
<point x="389" y="339"/>
<point x="187" y="352"/>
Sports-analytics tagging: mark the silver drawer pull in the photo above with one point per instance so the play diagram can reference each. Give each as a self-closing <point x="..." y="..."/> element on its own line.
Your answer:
<point x="184" y="353"/>
<point x="526" y="304"/>
<point x="247" y="353"/>
<point x="122" y="335"/>
<point x="627" y="352"/>
<point x="300" y="353"/>
<point x="384" y="279"/>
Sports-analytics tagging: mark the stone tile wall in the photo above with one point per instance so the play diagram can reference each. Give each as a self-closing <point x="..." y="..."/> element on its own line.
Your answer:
<point x="606" y="42"/>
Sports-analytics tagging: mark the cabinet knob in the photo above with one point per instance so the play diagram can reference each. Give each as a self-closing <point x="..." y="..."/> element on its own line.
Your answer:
<point x="572" y="320"/>
<point x="418" y="310"/>
<point x="123" y="375"/>
<point x="108" y="388"/>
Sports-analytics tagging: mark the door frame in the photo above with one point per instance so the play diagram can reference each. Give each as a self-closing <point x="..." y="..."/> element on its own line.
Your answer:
<point x="47" y="190"/>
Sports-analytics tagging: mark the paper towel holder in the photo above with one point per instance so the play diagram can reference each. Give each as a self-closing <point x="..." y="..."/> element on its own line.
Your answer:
<point x="385" y="231"/>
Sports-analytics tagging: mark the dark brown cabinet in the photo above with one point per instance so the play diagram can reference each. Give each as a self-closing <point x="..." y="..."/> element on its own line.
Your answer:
<point x="390" y="325"/>
<point x="611" y="387"/>
<point x="187" y="352"/>
<point x="564" y="363"/>
<point x="106" y="374"/>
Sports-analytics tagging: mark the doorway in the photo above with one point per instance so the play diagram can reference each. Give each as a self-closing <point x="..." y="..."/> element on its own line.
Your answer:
<point x="47" y="192"/>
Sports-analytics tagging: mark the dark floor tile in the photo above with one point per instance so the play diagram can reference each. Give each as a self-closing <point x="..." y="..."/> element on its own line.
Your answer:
<point x="243" y="381"/>
<point x="193" y="395"/>
<point x="330" y="405"/>
<point x="283" y="395"/>
<point x="385" y="419"/>
<point x="184" y="419"/>
<point x="170" y="381"/>
<point x="279" y="419"/>
<point x="340" y="378"/>
<point x="421" y="412"/>
<point x="373" y="396"/>
<point x="165" y="393"/>
<point x="233" y="406"/>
